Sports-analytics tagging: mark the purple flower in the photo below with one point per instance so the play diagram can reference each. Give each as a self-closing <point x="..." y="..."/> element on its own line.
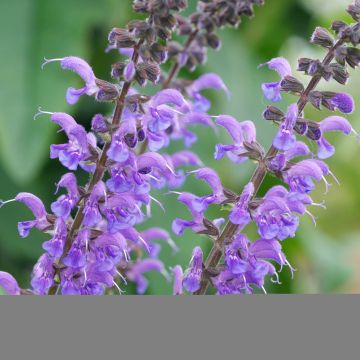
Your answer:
<point x="192" y="276"/>
<point x="38" y="209"/>
<point x="99" y="124"/>
<point x="129" y="71"/>
<point x="279" y="162"/>
<point x="76" y="256"/>
<point x="240" y="214"/>
<point x="272" y="91"/>
<point x="77" y="149"/>
<point x="65" y="203"/>
<point x="157" y="233"/>
<point x="332" y="123"/>
<point x="122" y="212"/>
<point x="160" y="115"/>
<point x="141" y="267"/>
<point x="9" y="284"/>
<point x="178" y="280"/>
<point x="83" y="69"/>
<point x="196" y="224"/>
<point x="274" y="218"/>
<point x="301" y="175"/>
<point x="207" y="81"/>
<point x="285" y="138"/>
<point x="91" y="211"/>
<point x="236" y="255"/>
<point x="208" y="175"/>
<point x="344" y="102"/>
<point x="55" y="246"/>
<point x="240" y="132"/>
<point x="118" y="150"/>
<point x="43" y="275"/>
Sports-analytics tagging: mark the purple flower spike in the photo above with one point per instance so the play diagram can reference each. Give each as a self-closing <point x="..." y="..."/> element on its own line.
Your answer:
<point x="9" y="284"/>
<point x="272" y="91"/>
<point x="285" y="139"/>
<point x="37" y="208"/>
<point x="240" y="214"/>
<point x="83" y="69"/>
<point x="178" y="280"/>
<point x="343" y="102"/>
<point x="192" y="277"/>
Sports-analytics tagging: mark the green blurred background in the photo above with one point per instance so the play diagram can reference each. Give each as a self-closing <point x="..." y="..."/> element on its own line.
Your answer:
<point x="327" y="258"/>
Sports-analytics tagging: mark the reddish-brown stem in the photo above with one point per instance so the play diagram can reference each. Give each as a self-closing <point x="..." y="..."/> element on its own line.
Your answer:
<point x="257" y="179"/>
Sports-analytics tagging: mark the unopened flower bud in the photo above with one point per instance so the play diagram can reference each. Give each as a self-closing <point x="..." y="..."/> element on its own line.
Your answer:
<point x="291" y="84"/>
<point x="322" y="37"/>
<point x="273" y="113"/>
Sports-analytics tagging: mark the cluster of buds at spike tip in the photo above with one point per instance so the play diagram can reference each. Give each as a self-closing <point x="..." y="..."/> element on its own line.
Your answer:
<point x="201" y="26"/>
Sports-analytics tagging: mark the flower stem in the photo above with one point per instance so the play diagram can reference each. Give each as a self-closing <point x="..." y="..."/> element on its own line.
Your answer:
<point x="257" y="179"/>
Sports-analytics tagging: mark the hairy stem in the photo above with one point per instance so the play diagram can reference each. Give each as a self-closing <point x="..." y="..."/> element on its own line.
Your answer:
<point x="257" y="179"/>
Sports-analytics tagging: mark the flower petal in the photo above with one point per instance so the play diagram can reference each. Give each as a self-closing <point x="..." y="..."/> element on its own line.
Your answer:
<point x="9" y="284"/>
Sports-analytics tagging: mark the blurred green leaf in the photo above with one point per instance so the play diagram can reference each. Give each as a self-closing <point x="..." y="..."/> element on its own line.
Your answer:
<point x="36" y="29"/>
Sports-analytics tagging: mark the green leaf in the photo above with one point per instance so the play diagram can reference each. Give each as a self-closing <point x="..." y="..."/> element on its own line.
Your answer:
<point x="38" y="29"/>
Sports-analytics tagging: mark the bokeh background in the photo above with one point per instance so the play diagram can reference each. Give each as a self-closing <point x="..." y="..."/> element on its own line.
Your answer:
<point x="327" y="258"/>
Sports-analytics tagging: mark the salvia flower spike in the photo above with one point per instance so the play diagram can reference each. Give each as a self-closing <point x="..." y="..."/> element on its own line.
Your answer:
<point x="94" y="245"/>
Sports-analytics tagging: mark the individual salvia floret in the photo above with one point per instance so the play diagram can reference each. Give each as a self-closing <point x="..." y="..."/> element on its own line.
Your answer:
<point x="272" y="91"/>
<point x="42" y="220"/>
<point x="137" y="271"/>
<point x="178" y="280"/>
<point x="92" y="215"/>
<point x="79" y="148"/>
<point x="285" y="138"/>
<point x="240" y="214"/>
<point x="42" y="278"/>
<point x="192" y="276"/>
<point x="55" y="245"/>
<point x="65" y="203"/>
<point x="83" y="69"/>
<point x="275" y="219"/>
<point x="244" y="138"/>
